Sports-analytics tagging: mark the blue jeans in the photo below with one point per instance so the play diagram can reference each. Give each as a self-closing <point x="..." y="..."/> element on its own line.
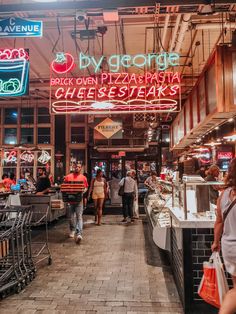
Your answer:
<point x="76" y="218"/>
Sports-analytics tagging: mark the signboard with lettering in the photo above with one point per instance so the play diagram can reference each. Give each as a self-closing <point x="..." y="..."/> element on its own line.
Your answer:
<point x="116" y="90"/>
<point x="18" y="27"/>
<point x="108" y="129"/>
<point x="14" y="72"/>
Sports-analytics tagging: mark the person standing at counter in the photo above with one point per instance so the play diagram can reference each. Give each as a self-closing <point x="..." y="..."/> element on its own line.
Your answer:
<point x="152" y="182"/>
<point x="43" y="183"/>
<point x="225" y="226"/>
<point x="212" y="175"/>
<point x="76" y="208"/>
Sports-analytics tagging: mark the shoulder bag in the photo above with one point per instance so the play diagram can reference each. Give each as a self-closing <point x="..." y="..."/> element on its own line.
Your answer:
<point x="121" y="191"/>
<point x="225" y="214"/>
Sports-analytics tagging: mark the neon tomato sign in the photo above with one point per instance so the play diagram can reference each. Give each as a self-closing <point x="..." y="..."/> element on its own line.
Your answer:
<point x="114" y="91"/>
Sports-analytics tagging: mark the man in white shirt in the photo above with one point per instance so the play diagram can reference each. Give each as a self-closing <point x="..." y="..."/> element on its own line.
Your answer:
<point x="128" y="197"/>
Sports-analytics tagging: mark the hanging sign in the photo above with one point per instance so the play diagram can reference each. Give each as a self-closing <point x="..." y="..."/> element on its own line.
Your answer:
<point x="14" y="72"/>
<point x="115" y="91"/>
<point x="108" y="128"/>
<point x="18" y="27"/>
<point x="224" y="155"/>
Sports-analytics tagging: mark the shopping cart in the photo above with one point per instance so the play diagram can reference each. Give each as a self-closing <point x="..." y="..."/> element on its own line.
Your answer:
<point x="39" y="222"/>
<point x="17" y="267"/>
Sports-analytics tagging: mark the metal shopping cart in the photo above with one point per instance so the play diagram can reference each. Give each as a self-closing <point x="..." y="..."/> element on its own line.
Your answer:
<point x="17" y="267"/>
<point x="40" y="217"/>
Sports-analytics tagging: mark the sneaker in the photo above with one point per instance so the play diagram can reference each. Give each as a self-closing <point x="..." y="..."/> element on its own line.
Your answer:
<point x="78" y="238"/>
<point x="124" y="220"/>
<point x="72" y="234"/>
<point x="131" y="219"/>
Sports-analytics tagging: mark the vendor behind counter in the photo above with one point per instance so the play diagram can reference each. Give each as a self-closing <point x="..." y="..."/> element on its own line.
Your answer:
<point x="43" y="183"/>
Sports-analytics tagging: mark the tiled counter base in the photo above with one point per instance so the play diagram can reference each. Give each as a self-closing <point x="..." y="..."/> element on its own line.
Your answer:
<point x="190" y="247"/>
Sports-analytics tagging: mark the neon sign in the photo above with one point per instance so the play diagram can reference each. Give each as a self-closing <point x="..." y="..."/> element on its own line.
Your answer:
<point x="10" y="156"/>
<point x="115" y="92"/>
<point x="14" y="72"/>
<point x="225" y="155"/>
<point x="27" y="156"/>
<point x="65" y="61"/>
<point x="44" y="157"/>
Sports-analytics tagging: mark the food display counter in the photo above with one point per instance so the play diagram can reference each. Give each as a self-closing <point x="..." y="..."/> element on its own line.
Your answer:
<point x="182" y="217"/>
<point x="51" y="204"/>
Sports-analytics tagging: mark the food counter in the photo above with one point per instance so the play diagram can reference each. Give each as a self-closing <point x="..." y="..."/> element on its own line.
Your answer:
<point x="51" y="203"/>
<point x="182" y="218"/>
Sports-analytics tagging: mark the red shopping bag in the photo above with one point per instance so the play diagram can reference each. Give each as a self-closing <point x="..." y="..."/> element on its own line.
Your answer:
<point x="213" y="286"/>
<point x="208" y="289"/>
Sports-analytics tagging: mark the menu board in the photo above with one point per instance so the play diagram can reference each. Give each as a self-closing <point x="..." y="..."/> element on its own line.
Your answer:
<point x="194" y="108"/>
<point x="202" y="99"/>
<point x="211" y="88"/>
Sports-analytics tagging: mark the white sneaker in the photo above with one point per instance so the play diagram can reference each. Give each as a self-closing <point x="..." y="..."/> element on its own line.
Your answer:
<point x="78" y="238"/>
<point x="72" y="234"/>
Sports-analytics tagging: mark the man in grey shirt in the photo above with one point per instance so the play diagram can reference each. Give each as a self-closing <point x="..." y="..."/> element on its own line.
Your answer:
<point x="130" y="187"/>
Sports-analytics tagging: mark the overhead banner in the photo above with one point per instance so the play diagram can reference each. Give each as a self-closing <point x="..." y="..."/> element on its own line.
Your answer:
<point x="115" y="91"/>
<point x="14" y="72"/>
<point x="108" y="129"/>
<point x="18" y="27"/>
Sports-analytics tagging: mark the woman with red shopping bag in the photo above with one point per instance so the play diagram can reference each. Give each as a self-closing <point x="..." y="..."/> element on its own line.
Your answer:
<point x="225" y="228"/>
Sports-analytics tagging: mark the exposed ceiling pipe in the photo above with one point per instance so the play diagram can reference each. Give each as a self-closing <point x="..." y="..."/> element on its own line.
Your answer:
<point x="173" y="39"/>
<point x="183" y="29"/>
<point x="214" y="26"/>
<point x="164" y="37"/>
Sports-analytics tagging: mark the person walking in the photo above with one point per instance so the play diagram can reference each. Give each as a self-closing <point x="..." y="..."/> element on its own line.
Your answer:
<point x="76" y="208"/>
<point x="225" y="229"/>
<point x="129" y="196"/>
<point x="98" y="188"/>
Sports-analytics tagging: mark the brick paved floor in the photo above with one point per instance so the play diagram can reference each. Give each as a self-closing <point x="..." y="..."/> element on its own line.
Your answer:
<point x="111" y="271"/>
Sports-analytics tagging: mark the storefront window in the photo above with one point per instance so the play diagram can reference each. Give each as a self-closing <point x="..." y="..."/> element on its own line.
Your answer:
<point x="10" y="115"/>
<point x="26" y="163"/>
<point x="77" y="155"/>
<point x="27" y="136"/>
<point x="43" y="115"/>
<point x="10" y="136"/>
<point x="76" y="118"/>
<point x="44" y="136"/>
<point x="77" y="135"/>
<point x="27" y="115"/>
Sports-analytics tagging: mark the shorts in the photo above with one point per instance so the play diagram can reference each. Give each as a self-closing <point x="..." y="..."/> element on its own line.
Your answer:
<point x="96" y="196"/>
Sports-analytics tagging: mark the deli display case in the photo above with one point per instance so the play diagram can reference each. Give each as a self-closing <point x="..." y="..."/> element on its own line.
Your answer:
<point x="182" y="217"/>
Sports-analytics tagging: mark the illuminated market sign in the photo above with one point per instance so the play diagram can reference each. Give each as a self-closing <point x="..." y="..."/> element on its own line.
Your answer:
<point x="18" y="27"/>
<point x="115" y="91"/>
<point x="14" y="72"/>
<point x="108" y="128"/>
<point x="27" y="156"/>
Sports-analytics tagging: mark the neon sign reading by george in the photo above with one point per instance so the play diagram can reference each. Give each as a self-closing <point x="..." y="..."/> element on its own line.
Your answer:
<point x="115" y="91"/>
<point x="14" y="72"/>
<point x="64" y="62"/>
